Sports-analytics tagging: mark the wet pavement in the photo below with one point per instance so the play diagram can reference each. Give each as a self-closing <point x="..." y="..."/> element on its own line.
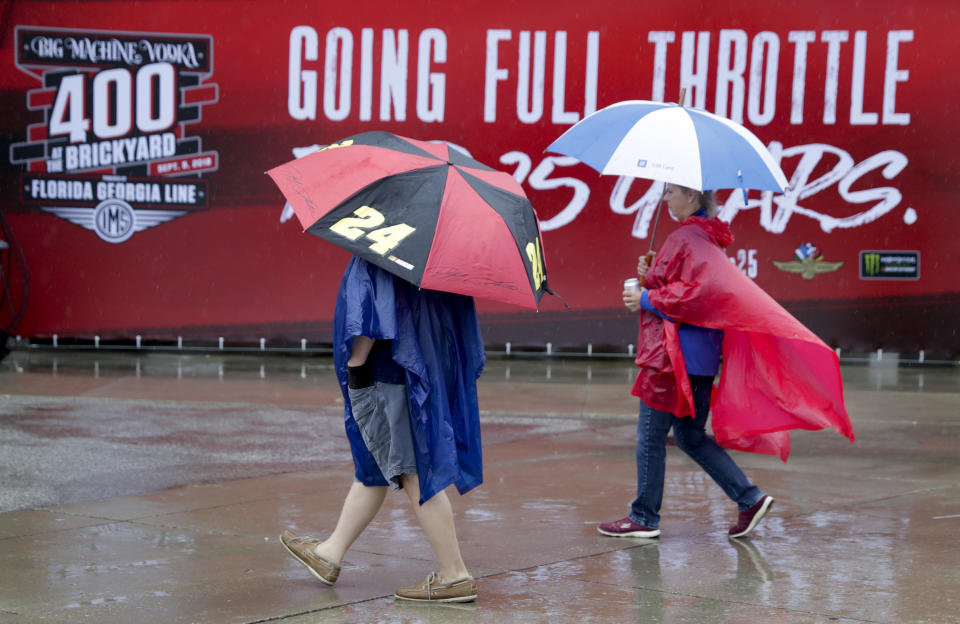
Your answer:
<point x="152" y="487"/>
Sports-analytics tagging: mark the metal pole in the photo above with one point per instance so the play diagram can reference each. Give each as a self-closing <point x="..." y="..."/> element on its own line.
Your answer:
<point x="656" y="221"/>
<point x="656" y="217"/>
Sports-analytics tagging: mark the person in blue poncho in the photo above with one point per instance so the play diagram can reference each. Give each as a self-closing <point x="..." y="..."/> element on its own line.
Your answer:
<point x="408" y="361"/>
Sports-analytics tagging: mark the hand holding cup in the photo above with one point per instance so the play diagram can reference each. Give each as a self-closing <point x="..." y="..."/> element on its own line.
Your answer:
<point x="631" y="294"/>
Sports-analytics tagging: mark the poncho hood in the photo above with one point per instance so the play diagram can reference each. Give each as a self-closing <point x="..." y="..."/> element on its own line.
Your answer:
<point x="718" y="231"/>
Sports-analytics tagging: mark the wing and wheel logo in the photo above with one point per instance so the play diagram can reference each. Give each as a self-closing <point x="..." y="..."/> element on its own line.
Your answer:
<point x="808" y="262"/>
<point x="114" y="220"/>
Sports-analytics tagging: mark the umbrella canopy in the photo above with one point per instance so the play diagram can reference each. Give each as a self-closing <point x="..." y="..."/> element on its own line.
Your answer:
<point x="423" y="211"/>
<point x="664" y="141"/>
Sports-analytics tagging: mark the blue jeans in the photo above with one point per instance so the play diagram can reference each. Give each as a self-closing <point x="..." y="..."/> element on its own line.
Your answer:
<point x="691" y="437"/>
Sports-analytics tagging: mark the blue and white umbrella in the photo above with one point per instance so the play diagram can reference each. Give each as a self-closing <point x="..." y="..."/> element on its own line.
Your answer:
<point x="672" y="143"/>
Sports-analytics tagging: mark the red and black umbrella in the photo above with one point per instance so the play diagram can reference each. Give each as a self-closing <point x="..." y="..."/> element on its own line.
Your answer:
<point x="423" y="211"/>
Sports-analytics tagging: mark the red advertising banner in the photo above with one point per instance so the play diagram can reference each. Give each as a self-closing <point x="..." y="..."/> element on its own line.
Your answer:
<point x="135" y="137"/>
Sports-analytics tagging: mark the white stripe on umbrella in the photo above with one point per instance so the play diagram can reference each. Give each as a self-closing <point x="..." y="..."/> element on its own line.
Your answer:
<point x="662" y="142"/>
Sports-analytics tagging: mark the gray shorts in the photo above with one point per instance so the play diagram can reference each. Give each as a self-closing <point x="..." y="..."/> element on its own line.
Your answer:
<point x="382" y="414"/>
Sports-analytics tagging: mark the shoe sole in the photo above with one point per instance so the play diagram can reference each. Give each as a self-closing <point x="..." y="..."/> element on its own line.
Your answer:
<point x="647" y="534"/>
<point x="767" y="504"/>
<point x="306" y="565"/>
<point x="454" y="599"/>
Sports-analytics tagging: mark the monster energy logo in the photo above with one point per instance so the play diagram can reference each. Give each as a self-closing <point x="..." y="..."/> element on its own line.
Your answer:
<point x="895" y="265"/>
<point x="871" y="264"/>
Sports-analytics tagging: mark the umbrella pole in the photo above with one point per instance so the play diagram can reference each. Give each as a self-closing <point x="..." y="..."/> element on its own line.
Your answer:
<point x="656" y="218"/>
<point x="656" y="222"/>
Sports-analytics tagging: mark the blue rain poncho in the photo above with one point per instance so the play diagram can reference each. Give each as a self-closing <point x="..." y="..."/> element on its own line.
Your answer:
<point x="436" y="339"/>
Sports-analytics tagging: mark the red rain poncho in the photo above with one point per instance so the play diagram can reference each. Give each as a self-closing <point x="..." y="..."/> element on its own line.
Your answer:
<point x="776" y="374"/>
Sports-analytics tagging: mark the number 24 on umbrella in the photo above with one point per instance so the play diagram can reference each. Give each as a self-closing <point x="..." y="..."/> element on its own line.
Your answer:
<point x="442" y="220"/>
<point x="384" y="238"/>
<point x="387" y="238"/>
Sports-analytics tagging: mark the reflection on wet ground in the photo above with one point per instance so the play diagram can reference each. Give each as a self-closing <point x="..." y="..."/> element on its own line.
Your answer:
<point x="151" y="487"/>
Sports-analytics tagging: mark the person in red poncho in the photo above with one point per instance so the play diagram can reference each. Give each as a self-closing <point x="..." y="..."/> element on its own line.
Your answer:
<point x="695" y="308"/>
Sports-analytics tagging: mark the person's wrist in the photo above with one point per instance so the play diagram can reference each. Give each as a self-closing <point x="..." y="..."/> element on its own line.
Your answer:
<point x="359" y="376"/>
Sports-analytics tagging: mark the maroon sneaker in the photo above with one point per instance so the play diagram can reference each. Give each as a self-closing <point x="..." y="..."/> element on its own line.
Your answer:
<point x="750" y="518"/>
<point x="626" y="528"/>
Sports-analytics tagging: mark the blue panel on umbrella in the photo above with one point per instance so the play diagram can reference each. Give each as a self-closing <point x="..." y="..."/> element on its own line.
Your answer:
<point x="724" y="153"/>
<point x="594" y="143"/>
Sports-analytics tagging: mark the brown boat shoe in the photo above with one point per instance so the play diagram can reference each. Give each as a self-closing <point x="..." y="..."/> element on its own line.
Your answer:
<point x="302" y="549"/>
<point x="432" y="589"/>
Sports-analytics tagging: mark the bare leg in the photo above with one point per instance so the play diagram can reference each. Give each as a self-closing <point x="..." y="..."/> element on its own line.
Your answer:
<point x="436" y="518"/>
<point x="362" y="502"/>
<point x="359" y="508"/>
